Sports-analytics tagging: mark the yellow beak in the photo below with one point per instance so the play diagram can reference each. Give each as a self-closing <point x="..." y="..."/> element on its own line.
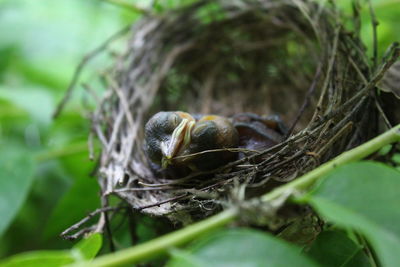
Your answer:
<point x="180" y="139"/>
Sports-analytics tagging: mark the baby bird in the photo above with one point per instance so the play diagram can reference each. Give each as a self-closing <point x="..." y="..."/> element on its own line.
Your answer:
<point x="178" y="142"/>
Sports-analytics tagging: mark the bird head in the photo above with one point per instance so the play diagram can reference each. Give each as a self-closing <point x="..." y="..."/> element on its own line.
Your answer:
<point x="168" y="135"/>
<point x="179" y="140"/>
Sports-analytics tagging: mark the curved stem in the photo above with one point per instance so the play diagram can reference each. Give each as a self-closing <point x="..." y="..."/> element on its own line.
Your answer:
<point x="162" y="244"/>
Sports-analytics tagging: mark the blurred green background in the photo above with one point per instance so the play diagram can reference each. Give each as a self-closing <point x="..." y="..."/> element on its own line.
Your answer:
<point x="45" y="182"/>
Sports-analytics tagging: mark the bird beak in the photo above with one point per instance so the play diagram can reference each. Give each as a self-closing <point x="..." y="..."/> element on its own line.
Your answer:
<point x="180" y="139"/>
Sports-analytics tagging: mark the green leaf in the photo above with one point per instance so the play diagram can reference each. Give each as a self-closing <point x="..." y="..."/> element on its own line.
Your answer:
<point x="84" y="250"/>
<point x="78" y="201"/>
<point x="364" y="196"/>
<point x="334" y="248"/>
<point x="40" y="105"/>
<point x="241" y="247"/>
<point x="90" y="246"/>
<point x="39" y="258"/>
<point x="48" y="46"/>
<point x="181" y="258"/>
<point x="16" y="176"/>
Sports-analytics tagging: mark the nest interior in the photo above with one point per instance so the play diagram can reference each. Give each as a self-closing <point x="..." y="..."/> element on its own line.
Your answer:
<point x="294" y="58"/>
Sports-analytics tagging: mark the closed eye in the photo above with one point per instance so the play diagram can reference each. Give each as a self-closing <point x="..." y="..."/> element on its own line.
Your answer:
<point x="176" y="119"/>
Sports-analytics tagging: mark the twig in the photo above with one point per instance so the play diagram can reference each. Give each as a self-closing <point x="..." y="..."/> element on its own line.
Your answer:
<point x="284" y="162"/>
<point x="94" y="95"/>
<point x="106" y="225"/>
<point x="389" y="51"/>
<point x="357" y="69"/>
<point x="306" y="101"/>
<point x="115" y="130"/>
<point x="80" y="233"/>
<point x="91" y="145"/>
<point x="140" y="189"/>
<point x="162" y="202"/>
<point x="76" y="226"/>
<point x="374" y="23"/>
<point x="82" y="64"/>
<point x="331" y="62"/>
<point x="233" y="150"/>
<point x="124" y="104"/>
<point x="331" y="141"/>
<point x="132" y="225"/>
<point x="360" y="53"/>
<point x="109" y="232"/>
<point x="382" y="113"/>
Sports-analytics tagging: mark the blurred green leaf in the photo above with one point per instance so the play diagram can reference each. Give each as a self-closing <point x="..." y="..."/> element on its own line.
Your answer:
<point x="26" y="232"/>
<point x="40" y="105"/>
<point x="39" y="258"/>
<point x="335" y="249"/>
<point x="90" y="246"/>
<point x="50" y="39"/>
<point x="84" y="250"/>
<point x="10" y="114"/>
<point x="81" y="199"/>
<point x="181" y="258"/>
<point x="16" y="176"/>
<point x="241" y="247"/>
<point x="364" y="196"/>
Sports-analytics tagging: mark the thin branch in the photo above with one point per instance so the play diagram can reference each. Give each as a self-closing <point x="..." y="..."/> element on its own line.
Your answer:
<point x="109" y="232"/>
<point x="76" y="226"/>
<point x="159" y="203"/>
<point x="123" y="100"/>
<point x="374" y="24"/>
<point x="78" y="71"/>
<point x="343" y="131"/>
<point x="331" y="62"/>
<point x="306" y="101"/>
<point x="383" y="114"/>
<point x="80" y="233"/>
<point x="232" y="150"/>
<point x="123" y="190"/>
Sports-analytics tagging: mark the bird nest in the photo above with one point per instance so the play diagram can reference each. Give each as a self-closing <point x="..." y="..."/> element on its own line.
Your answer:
<point x="294" y="58"/>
